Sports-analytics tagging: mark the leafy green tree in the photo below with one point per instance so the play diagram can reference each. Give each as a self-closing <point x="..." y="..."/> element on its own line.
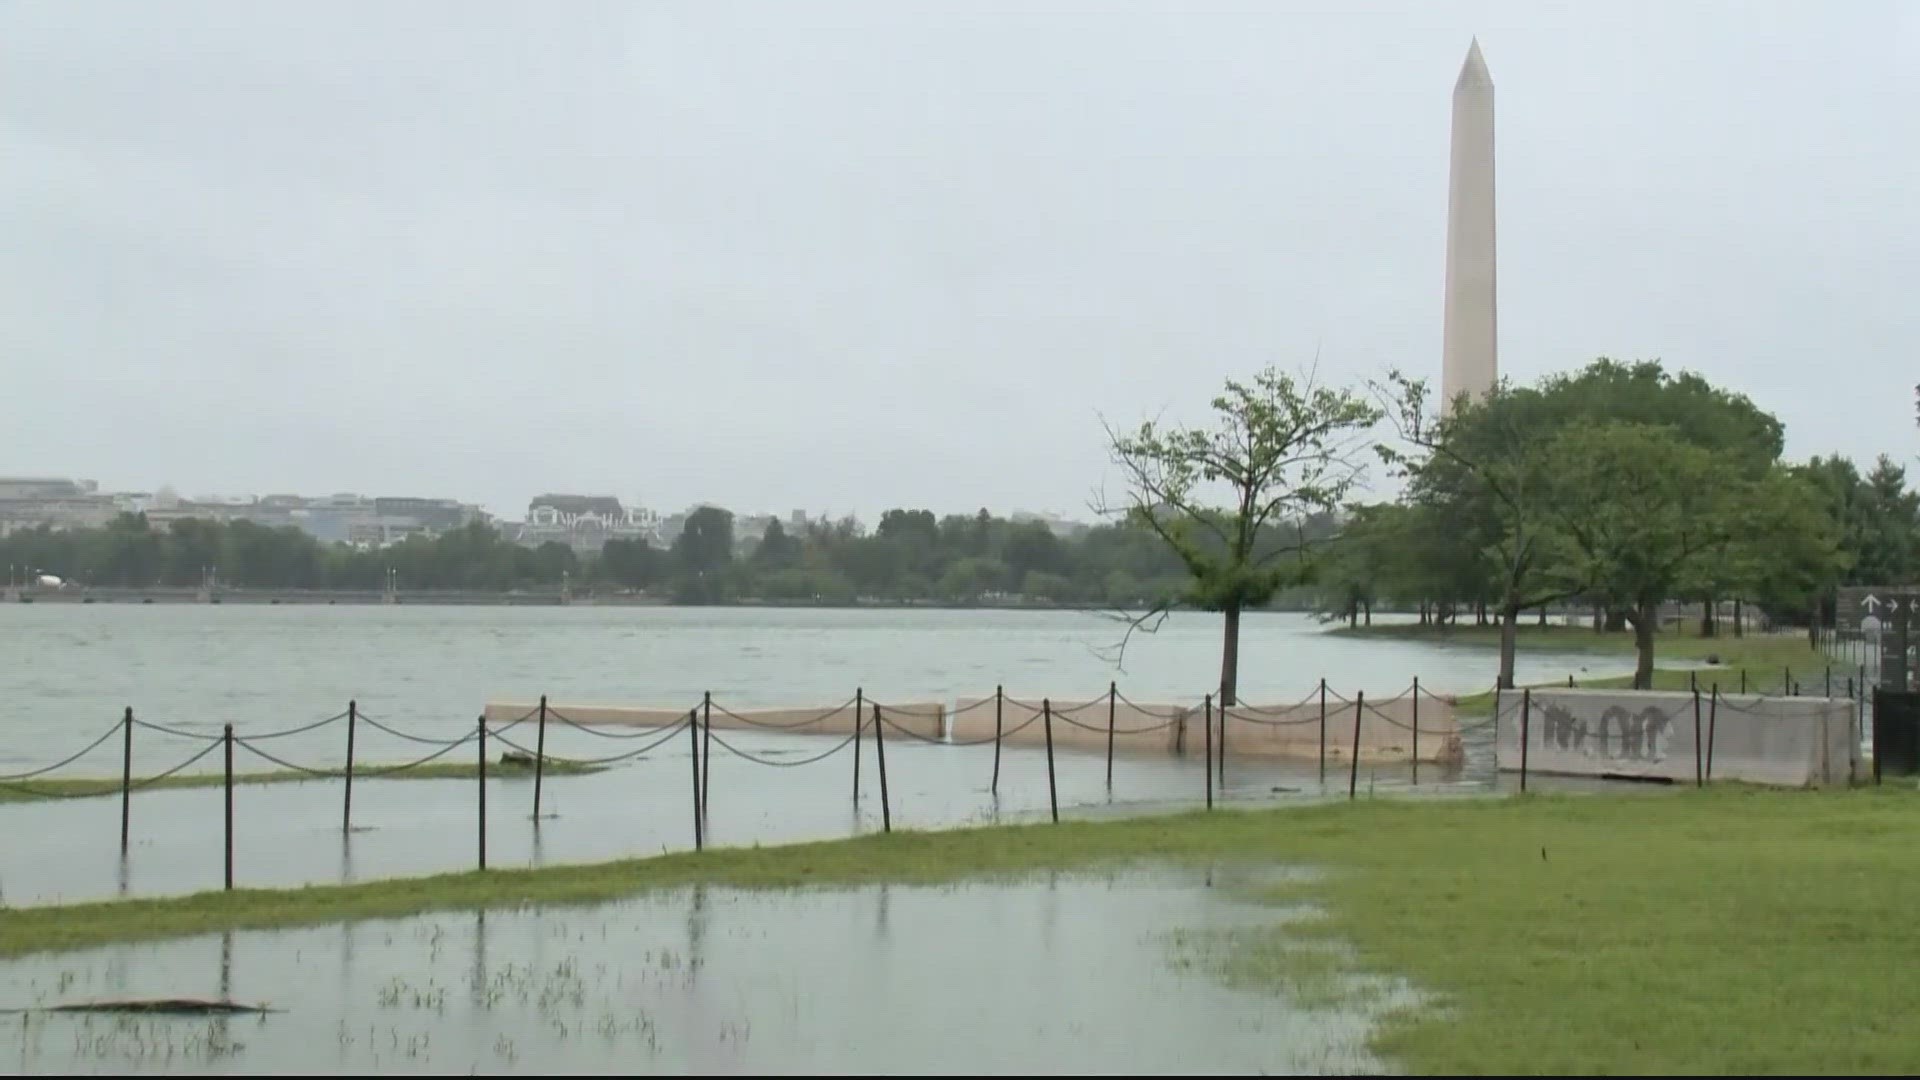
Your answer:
<point x="702" y="553"/>
<point x="1278" y="449"/>
<point x="1483" y="465"/>
<point x="1042" y="585"/>
<point x="1645" y="511"/>
<point x="777" y="550"/>
<point x="632" y="563"/>
<point x="130" y="553"/>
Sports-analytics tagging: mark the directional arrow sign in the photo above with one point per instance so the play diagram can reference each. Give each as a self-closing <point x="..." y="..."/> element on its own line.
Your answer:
<point x="1893" y="605"/>
<point x="1870" y="602"/>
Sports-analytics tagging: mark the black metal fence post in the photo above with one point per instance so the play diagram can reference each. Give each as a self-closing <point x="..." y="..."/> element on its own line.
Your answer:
<point x="1323" y="731"/>
<point x="706" y="751"/>
<point x="1743" y="680"/>
<point x="999" y="698"/>
<point x="1208" y="764"/>
<point x="1569" y="680"/>
<point x="693" y="750"/>
<point x="1053" y="789"/>
<point x="481" y="738"/>
<point x="1113" y="692"/>
<point x="1526" y="717"/>
<point x="126" y="777"/>
<point x="346" y="801"/>
<point x="228" y="739"/>
<point x="1353" y="763"/>
<point x="539" y="759"/>
<point x="1713" y="724"/>
<point x="1693" y="682"/>
<point x="880" y="749"/>
<point x="1786" y="681"/>
<point x="859" y="722"/>
<point x="1829" y="680"/>
<point x="1222" y="779"/>
<point x="1699" y="751"/>
<point x="1416" y="731"/>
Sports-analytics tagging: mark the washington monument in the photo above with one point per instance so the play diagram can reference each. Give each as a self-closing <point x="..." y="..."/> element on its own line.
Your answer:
<point x="1470" y="358"/>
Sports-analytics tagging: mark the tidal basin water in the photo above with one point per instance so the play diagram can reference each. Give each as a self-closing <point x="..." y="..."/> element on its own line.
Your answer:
<point x="426" y="672"/>
<point x="70" y="668"/>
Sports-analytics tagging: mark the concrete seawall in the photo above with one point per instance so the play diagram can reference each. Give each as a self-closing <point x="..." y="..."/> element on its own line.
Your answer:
<point x="1786" y="741"/>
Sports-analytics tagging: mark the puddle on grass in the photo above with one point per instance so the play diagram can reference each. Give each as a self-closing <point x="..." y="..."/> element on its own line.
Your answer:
<point x="1131" y="972"/>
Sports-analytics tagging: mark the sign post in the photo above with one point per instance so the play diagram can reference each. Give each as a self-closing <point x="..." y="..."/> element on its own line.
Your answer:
<point x="1884" y="618"/>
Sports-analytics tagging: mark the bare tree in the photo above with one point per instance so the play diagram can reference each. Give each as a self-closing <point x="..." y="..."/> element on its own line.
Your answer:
<point x="1229" y="498"/>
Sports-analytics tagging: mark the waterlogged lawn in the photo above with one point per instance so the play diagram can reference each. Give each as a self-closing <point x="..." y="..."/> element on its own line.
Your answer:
<point x="1724" y="931"/>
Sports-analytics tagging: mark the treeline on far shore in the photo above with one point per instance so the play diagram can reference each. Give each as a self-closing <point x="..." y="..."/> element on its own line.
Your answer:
<point x="911" y="556"/>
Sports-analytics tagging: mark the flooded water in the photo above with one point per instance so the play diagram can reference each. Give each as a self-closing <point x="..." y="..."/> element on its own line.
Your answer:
<point x="427" y="671"/>
<point x="290" y="834"/>
<point x="70" y="669"/>
<point x="1062" y="974"/>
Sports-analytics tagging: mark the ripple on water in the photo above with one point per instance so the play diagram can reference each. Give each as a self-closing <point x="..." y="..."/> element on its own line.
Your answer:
<point x="1131" y="972"/>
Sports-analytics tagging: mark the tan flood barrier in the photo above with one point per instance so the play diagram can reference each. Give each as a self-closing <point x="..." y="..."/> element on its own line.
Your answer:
<point x="1285" y="732"/>
<point x="919" y="718"/>
<point x="1293" y="732"/>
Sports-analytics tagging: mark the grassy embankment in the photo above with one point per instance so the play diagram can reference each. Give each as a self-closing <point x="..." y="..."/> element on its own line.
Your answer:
<point x="1765" y="659"/>
<point x="1728" y="930"/>
<point x="82" y="787"/>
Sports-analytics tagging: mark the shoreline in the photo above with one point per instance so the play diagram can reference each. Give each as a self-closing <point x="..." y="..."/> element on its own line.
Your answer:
<point x="454" y="598"/>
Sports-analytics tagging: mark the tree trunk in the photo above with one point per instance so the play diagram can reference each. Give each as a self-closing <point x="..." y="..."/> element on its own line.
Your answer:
<point x="1353" y="611"/>
<point x="1616" y="621"/>
<point x="1509" y="637"/>
<point x="1599" y="618"/>
<point x="1543" y="616"/>
<point x="1230" y="658"/>
<point x="1739" y="617"/>
<point x="1369" y="606"/>
<point x="1643" y="619"/>
<point x="1423" y="613"/>
<point x="1708" y="626"/>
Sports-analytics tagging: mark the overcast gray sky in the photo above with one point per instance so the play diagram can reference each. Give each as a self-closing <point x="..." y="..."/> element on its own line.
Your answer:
<point x="843" y="256"/>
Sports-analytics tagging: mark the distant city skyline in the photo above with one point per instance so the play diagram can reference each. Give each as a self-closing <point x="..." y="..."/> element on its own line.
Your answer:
<point x="854" y="255"/>
<point x="581" y="520"/>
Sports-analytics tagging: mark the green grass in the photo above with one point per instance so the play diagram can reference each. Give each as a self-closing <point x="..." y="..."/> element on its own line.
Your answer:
<point x="1766" y="659"/>
<point x="1729" y="930"/>
<point x="81" y="787"/>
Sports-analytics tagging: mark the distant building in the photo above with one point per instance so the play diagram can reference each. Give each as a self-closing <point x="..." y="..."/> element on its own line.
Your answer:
<point x="44" y="487"/>
<point x="585" y="522"/>
<point x="429" y="515"/>
<point x="30" y="502"/>
<point x="1061" y="527"/>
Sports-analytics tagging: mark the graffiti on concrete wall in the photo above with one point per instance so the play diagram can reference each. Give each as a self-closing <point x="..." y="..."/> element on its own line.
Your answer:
<point x="1618" y="734"/>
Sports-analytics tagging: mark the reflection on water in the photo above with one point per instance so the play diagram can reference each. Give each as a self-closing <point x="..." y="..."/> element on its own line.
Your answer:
<point x="67" y="851"/>
<point x="1056" y="974"/>
<point x="289" y="834"/>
